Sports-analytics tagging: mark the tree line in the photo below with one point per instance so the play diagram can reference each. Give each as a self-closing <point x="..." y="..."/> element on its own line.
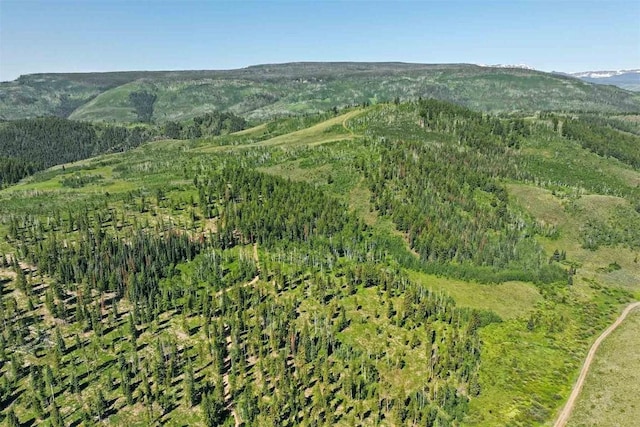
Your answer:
<point x="30" y="145"/>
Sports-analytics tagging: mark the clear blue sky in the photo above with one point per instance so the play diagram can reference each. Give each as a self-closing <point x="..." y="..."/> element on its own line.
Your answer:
<point x="92" y="35"/>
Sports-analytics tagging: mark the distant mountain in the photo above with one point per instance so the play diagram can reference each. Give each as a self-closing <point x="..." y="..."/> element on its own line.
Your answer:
<point x="625" y="79"/>
<point x="264" y="91"/>
<point x="522" y="66"/>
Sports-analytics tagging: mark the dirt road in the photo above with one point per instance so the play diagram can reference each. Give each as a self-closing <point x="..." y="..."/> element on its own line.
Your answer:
<point x="562" y="419"/>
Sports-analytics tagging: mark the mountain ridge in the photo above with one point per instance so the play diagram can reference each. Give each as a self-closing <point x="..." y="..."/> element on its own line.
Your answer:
<point x="604" y="74"/>
<point x="625" y="79"/>
<point x="260" y="92"/>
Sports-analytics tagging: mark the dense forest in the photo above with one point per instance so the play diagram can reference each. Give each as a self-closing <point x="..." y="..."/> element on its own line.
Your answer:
<point x="36" y="144"/>
<point x="405" y="263"/>
<point x="209" y="124"/>
<point x="13" y="170"/>
<point x="604" y="140"/>
<point x="30" y="145"/>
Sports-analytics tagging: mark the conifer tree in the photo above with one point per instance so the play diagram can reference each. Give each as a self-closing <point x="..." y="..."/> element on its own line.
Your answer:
<point x="12" y="419"/>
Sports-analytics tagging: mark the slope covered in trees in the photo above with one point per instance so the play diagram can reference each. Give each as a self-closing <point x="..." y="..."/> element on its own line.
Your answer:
<point x="267" y="91"/>
<point x="604" y="140"/>
<point x="13" y="170"/>
<point x="51" y="141"/>
<point x="308" y="281"/>
<point x="35" y="144"/>
<point x="29" y="145"/>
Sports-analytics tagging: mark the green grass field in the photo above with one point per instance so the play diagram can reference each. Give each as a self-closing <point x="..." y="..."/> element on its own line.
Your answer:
<point x="568" y="216"/>
<point x="609" y="395"/>
<point x="510" y="300"/>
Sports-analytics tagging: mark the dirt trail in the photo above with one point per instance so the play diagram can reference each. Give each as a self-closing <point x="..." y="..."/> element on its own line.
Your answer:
<point x="564" y="416"/>
<point x="347" y="117"/>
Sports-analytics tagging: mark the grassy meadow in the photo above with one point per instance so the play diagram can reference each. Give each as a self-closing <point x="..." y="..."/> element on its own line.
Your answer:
<point x="608" y="396"/>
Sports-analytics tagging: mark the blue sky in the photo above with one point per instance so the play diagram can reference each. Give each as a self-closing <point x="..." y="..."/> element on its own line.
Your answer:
<point x="92" y="35"/>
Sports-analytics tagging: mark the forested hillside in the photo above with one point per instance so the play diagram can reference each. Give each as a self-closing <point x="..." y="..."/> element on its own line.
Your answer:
<point x="263" y="92"/>
<point x="29" y="145"/>
<point x="34" y="144"/>
<point x="403" y="263"/>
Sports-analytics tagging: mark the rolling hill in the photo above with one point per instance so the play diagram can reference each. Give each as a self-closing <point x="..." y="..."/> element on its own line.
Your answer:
<point x="265" y="91"/>
<point x="399" y="264"/>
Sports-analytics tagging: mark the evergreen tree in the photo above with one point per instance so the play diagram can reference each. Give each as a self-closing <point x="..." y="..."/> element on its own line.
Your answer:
<point x="60" y="345"/>
<point x="12" y="419"/>
<point x="56" y="418"/>
<point x="98" y="405"/>
<point x="213" y="409"/>
<point x="189" y="386"/>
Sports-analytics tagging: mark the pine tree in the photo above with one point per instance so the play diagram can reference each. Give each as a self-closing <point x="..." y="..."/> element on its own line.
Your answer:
<point x="133" y="331"/>
<point x="213" y="408"/>
<point x="125" y="385"/>
<point x="56" y="418"/>
<point x="12" y="419"/>
<point x="189" y="386"/>
<point x="74" y="382"/>
<point x="21" y="278"/>
<point x="60" y="346"/>
<point x="99" y="405"/>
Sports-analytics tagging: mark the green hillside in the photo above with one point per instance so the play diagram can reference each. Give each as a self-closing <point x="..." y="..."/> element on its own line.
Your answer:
<point x="267" y="91"/>
<point x="30" y="145"/>
<point x="59" y="95"/>
<point x="404" y="263"/>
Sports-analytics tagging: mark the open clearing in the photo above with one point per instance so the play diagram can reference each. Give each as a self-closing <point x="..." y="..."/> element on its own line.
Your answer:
<point x="568" y="217"/>
<point x="331" y="130"/>
<point x="521" y="296"/>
